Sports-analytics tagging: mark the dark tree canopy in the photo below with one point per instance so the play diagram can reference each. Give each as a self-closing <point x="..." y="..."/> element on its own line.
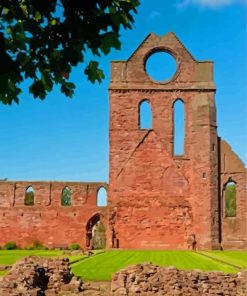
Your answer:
<point x="42" y="41"/>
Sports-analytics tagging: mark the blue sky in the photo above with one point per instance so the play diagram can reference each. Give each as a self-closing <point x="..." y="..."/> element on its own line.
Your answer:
<point x="67" y="139"/>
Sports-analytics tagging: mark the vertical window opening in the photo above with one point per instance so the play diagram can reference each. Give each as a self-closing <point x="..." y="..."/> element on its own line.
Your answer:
<point x="230" y="199"/>
<point x="66" y="197"/>
<point x="178" y="128"/>
<point x="102" y="197"/>
<point x="29" y="196"/>
<point x="145" y="115"/>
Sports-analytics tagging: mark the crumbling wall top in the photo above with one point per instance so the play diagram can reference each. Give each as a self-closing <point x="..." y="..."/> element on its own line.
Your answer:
<point x="230" y="162"/>
<point x="190" y="74"/>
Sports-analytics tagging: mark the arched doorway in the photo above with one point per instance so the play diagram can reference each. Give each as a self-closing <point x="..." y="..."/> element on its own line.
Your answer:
<point x="95" y="233"/>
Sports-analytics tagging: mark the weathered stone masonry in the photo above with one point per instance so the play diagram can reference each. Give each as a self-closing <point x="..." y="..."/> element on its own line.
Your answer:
<point x="155" y="199"/>
<point x="48" y="221"/>
<point x="159" y="200"/>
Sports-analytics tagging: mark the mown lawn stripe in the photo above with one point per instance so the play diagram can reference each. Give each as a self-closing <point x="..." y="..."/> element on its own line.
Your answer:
<point x="238" y="258"/>
<point x="104" y="266"/>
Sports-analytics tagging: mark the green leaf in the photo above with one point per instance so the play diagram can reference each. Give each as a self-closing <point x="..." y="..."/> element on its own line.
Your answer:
<point x="108" y="41"/>
<point x="30" y="69"/>
<point x="68" y="88"/>
<point x="93" y="72"/>
<point x="37" y="89"/>
<point x="46" y="80"/>
<point x="9" y="30"/>
<point x="24" y="9"/>
<point x="37" y="16"/>
<point x="11" y="86"/>
<point x="53" y="22"/>
<point x="5" y="11"/>
<point x="8" y="90"/>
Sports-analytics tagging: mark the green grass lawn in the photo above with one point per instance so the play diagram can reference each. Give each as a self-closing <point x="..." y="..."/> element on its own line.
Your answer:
<point x="101" y="267"/>
<point x="9" y="257"/>
<point x="238" y="258"/>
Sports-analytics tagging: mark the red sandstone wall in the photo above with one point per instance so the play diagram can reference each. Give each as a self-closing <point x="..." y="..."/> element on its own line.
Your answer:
<point x="47" y="220"/>
<point x="157" y="200"/>
<point x="234" y="229"/>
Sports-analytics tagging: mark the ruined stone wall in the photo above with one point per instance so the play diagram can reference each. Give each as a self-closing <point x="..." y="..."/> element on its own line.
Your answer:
<point x="158" y="200"/>
<point x="148" y="279"/>
<point x="234" y="229"/>
<point x="41" y="276"/>
<point x="47" y="220"/>
<point x="52" y="276"/>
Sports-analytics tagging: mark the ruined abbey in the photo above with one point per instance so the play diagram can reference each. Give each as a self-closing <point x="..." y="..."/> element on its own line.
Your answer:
<point x="156" y="199"/>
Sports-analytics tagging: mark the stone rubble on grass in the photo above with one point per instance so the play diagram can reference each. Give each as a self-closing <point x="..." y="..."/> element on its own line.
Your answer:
<point x="73" y="252"/>
<point x="4" y="267"/>
<point x="42" y="276"/>
<point x="148" y="279"/>
<point x="77" y="252"/>
<point x="38" y="276"/>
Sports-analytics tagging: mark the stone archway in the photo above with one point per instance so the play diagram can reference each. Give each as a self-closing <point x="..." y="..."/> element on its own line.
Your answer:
<point x="95" y="233"/>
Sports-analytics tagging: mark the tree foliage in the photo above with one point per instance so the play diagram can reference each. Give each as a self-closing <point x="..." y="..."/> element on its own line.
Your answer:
<point x="43" y="40"/>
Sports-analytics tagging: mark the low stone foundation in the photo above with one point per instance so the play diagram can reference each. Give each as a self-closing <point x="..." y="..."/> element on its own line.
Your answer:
<point x="37" y="276"/>
<point x="148" y="279"/>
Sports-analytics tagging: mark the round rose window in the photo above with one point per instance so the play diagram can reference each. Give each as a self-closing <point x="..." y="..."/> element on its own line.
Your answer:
<point x="161" y="66"/>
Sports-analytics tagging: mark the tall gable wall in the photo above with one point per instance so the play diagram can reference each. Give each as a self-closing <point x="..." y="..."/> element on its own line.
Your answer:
<point x="159" y="200"/>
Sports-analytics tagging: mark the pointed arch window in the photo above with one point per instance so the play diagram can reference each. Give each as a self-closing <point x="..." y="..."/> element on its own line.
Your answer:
<point x="95" y="233"/>
<point x="145" y="115"/>
<point x="178" y="128"/>
<point x="66" y="199"/>
<point x="230" y="199"/>
<point x="102" y="197"/>
<point x="29" y="196"/>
